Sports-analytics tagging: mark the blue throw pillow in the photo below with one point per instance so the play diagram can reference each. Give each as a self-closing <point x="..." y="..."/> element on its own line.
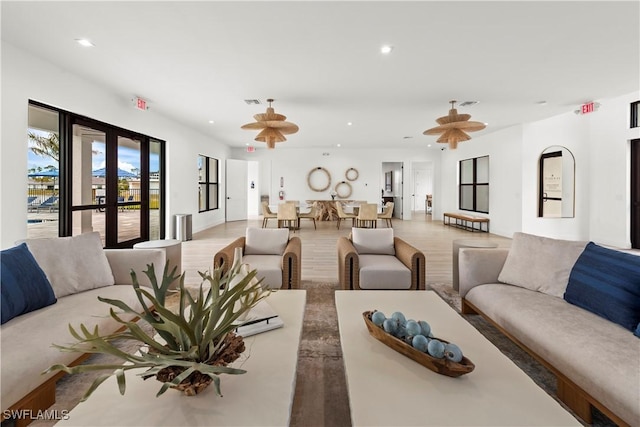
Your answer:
<point x="637" y="332"/>
<point x="24" y="286"/>
<point x="607" y="283"/>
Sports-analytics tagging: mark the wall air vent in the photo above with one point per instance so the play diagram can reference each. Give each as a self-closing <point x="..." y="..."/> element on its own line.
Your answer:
<point x="468" y="103"/>
<point x="252" y="101"/>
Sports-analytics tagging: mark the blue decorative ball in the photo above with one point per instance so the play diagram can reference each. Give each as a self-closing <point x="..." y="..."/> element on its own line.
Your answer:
<point x="413" y="328"/>
<point x="390" y="326"/>
<point x="377" y="318"/>
<point x="420" y="342"/>
<point x="425" y="328"/>
<point x="452" y="352"/>
<point x="399" y="317"/>
<point x="436" y="349"/>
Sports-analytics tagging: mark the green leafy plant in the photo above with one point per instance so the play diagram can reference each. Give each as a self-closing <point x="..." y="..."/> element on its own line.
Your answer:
<point x="189" y="347"/>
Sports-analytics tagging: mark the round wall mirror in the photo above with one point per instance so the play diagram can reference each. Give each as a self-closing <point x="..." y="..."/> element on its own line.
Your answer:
<point x="556" y="183"/>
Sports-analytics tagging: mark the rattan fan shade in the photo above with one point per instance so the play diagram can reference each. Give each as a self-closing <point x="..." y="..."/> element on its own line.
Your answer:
<point x="272" y="127"/>
<point x="454" y="127"/>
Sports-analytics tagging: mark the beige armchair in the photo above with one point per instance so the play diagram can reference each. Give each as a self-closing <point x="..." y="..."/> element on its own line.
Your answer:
<point x="375" y="259"/>
<point x="270" y="251"/>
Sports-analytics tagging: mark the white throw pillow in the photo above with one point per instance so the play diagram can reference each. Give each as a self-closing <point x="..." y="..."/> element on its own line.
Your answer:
<point x="262" y="241"/>
<point x="540" y="263"/>
<point x="73" y="264"/>
<point x="373" y="241"/>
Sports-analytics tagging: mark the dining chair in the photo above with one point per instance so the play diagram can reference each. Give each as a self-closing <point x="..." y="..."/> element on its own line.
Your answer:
<point x="312" y="215"/>
<point x="287" y="216"/>
<point x="267" y="214"/>
<point x="367" y="216"/>
<point x="342" y="215"/>
<point x="387" y="213"/>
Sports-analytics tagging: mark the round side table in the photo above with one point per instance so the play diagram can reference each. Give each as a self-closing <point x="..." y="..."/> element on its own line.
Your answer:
<point x="173" y="254"/>
<point x="467" y="243"/>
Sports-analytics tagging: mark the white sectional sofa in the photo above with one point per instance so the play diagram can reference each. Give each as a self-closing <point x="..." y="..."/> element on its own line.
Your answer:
<point x="79" y="271"/>
<point x="524" y="292"/>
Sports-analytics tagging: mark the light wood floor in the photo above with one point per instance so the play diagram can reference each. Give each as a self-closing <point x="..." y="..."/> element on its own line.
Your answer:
<point x="319" y="254"/>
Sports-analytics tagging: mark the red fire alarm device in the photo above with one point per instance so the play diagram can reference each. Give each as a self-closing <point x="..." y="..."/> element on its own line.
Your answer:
<point x="251" y="149"/>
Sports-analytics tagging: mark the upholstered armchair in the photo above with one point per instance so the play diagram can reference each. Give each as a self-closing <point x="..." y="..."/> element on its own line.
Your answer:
<point x="375" y="259"/>
<point x="270" y="251"/>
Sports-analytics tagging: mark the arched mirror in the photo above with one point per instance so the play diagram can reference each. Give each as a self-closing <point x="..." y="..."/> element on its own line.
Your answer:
<point x="556" y="188"/>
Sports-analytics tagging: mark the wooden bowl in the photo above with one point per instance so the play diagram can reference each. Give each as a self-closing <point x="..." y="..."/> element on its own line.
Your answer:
<point x="441" y="366"/>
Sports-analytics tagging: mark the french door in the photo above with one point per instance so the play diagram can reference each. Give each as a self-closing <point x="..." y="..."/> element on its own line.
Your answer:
<point x="108" y="183"/>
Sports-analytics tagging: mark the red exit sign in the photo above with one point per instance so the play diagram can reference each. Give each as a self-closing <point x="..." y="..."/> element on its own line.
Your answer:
<point x="587" y="108"/>
<point x="251" y="149"/>
<point x="141" y="104"/>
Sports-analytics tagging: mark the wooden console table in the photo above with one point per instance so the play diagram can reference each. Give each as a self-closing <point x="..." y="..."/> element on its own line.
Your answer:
<point x="465" y="221"/>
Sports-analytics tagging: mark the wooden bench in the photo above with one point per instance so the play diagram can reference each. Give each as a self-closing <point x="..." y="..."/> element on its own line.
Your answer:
<point x="466" y="222"/>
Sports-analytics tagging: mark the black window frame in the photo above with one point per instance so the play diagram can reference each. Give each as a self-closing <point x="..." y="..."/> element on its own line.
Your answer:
<point x="209" y="182"/>
<point x="474" y="185"/>
<point x="634" y="120"/>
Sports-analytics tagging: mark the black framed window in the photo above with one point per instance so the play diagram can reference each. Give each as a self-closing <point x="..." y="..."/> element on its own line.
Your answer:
<point x="474" y="185"/>
<point x="207" y="183"/>
<point x="635" y="112"/>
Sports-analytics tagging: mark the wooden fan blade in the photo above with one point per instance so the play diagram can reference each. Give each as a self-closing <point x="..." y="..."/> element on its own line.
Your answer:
<point x="434" y="131"/>
<point x="269" y="116"/>
<point x="454" y="135"/>
<point x="466" y="126"/>
<point x="284" y="127"/>
<point x="254" y="126"/>
<point x="270" y="134"/>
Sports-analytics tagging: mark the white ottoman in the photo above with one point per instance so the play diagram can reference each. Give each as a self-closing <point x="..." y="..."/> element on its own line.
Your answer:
<point x="467" y="243"/>
<point x="173" y="254"/>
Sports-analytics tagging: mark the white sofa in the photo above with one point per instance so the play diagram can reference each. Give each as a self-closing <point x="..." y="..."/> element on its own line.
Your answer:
<point x="74" y="266"/>
<point x="522" y="292"/>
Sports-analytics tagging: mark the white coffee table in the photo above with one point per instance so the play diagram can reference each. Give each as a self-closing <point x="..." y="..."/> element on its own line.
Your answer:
<point x="389" y="389"/>
<point x="261" y="397"/>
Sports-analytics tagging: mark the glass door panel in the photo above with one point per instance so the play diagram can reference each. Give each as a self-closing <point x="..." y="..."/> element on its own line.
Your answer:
<point x="155" y="195"/>
<point x="129" y="189"/>
<point x="88" y="189"/>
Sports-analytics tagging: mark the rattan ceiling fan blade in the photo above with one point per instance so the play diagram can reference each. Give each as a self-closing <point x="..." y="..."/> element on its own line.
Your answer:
<point x="272" y="125"/>
<point x="453" y="127"/>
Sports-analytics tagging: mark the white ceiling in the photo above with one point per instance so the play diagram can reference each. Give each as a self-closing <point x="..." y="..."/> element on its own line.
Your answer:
<point x="321" y="61"/>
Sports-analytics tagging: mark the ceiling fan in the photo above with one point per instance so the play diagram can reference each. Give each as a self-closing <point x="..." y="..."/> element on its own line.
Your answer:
<point x="273" y="127"/>
<point x="454" y="127"/>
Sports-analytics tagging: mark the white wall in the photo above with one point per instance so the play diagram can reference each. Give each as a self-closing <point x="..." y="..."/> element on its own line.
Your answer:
<point x="504" y="149"/>
<point x="572" y="132"/>
<point x="293" y="165"/>
<point x="609" y="197"/>
<point x="26" y="77"/>
<point x="600" y="145"/>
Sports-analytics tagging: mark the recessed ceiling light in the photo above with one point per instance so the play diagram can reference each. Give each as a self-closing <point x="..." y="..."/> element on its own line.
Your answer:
<point x="246" y="143"/>
<point x="429" y="146"/>
<point x="486" y="124"/>
<point x="211" y="121"/>
<point x="386" y="49"/>
<point x="84" y="42"/>
<point x="338" y="145"/>
<point x="349" y="123"/>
